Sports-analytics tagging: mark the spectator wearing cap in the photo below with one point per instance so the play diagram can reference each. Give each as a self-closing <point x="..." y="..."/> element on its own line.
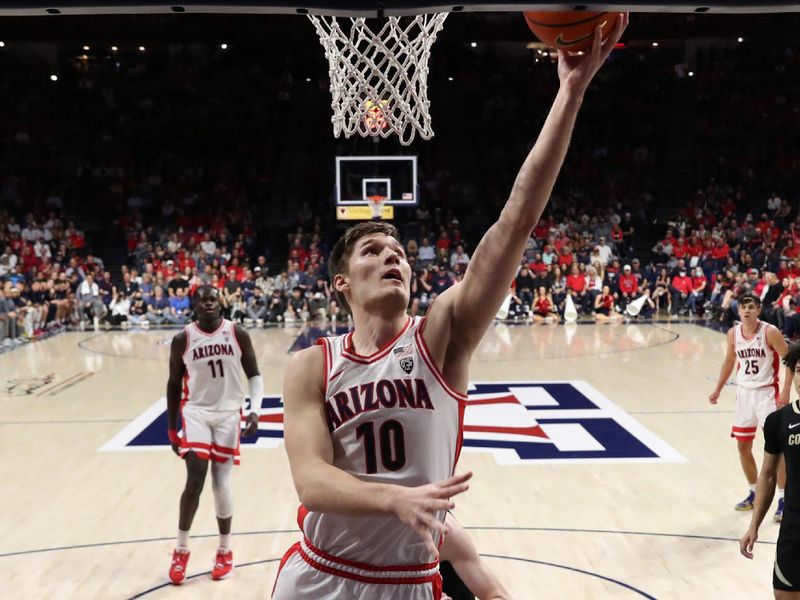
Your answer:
<point x="628" y="287"/>
<point x="440" y="281"/>
<point x="176" y="281"/>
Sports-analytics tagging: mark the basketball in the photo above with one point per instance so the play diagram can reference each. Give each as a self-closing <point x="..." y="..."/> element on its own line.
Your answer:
<point x="569" y="30"/>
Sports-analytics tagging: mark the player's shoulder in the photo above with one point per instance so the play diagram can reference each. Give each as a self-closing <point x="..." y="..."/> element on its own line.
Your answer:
<point x="179" y="339"/>
<point x="305" y="360"/>
<point x="306" y="370"/>
<point x="240" y="332"/>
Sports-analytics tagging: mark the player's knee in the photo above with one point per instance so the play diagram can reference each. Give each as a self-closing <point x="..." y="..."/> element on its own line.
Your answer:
<point x="745" y="446"/>
<point x="221" y="488"/>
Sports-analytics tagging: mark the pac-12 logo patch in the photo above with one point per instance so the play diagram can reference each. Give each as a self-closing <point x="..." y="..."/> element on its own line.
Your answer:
<point x="517" y="422"/>
<point x="406" y="356"/>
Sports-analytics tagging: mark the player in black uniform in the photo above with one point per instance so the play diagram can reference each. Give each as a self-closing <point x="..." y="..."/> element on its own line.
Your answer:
<point x="781" y="435"/>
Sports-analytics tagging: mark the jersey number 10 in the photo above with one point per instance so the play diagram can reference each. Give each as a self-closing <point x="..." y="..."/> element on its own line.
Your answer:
<point x="392" y="443"/>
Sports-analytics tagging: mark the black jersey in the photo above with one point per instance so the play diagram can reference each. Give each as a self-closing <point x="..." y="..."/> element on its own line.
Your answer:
<point x="782" y="435"/>
<point x="452" y="584"/>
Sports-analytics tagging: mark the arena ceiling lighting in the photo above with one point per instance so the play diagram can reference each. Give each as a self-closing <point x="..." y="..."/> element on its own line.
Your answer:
<point x="371" y="8"/>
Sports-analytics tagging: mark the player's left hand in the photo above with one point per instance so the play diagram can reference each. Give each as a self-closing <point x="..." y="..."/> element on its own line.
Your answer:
<point x="252" y="425"/>
<point x="575" y="71"/>
<point x="747" y="542"/>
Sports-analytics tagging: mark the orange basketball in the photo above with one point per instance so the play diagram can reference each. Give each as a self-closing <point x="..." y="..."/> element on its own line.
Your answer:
<point x="569" y="30"/>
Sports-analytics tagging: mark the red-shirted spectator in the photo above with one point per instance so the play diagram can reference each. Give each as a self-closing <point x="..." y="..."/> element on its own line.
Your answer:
<point x="681" y="288"/>
<point x="628" y="287"/>
<point x="537" y="266"/>
<point x="695" y="246"/>
<point x="720" y="252"/>
<point x="565" y="259"/>
<point x="542" y="230"/>
<point x="699" y="286"/>
<point x="680" y="249"/>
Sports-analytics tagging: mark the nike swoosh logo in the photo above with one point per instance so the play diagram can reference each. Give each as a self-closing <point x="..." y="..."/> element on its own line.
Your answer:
<point x="793" y="425"/>
<point x="561" y="42"/>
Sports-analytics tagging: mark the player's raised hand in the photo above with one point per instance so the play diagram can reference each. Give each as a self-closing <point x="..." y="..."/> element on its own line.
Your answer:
<point x="252" y="425"/>
<point x="417" y="506"/>
<point x="747" y="542"/>
<point x="575" y="71"/>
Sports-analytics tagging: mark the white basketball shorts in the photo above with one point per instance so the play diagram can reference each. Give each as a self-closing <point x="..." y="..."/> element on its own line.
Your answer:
<point x="307" y="573"/>
<point x="211" y="434"/>
<point x="752" y="408"/>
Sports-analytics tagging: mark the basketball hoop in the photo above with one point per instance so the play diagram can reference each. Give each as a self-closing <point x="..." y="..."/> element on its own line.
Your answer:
<point x="376" y="204"/>
<point x="379" y="81"/>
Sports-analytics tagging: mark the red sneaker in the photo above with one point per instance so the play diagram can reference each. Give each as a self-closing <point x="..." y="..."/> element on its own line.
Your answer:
<point x="223" y="565"/>
<point x="177" y="571"/>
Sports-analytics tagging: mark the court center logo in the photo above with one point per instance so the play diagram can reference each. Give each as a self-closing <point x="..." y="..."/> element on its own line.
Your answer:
<point x="517" y="422"/>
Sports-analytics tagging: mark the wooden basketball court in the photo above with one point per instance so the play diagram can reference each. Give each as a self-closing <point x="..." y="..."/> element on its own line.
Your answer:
<point x="586" y="517"/>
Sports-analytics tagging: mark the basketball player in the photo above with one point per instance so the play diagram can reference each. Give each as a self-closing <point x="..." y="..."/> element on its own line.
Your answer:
<point x="205" y="365"/>
<point x="781" y="436"/>
<point x="373" y="418"/>
<point x="754" y="346"/>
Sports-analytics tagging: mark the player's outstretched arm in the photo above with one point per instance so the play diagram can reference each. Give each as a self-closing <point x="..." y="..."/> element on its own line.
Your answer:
<point x="256" y="383"/>
<point x="726" y="369"/>
<point x="323" y="487"/>
<point x="460" y="551"/>
<point x="765" y="491"/>
<point x="477" y="298"/>
<point x="174" y="384"/>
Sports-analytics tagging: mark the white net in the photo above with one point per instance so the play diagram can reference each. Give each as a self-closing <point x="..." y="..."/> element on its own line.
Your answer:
<point x="379" y="80"/>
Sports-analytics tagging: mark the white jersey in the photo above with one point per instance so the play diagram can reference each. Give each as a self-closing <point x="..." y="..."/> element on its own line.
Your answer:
<point x="213" y="379"/>
<point x="392" y="419"/>
<point x="758" y="364"/>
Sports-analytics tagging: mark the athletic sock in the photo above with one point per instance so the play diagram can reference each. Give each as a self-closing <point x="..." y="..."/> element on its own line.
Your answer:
<point x="753" y="487"/>
<point x="780" y="493"/>
<point x="224" y="542"/>
<point x="183" y="540"/>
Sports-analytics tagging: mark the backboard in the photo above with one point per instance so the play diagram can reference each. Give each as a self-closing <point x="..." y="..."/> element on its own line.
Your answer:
<point x="360" y="177"/>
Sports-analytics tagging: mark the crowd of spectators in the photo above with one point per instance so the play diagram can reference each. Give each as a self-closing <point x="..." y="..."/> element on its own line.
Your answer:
<point x="189" y="212"/>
